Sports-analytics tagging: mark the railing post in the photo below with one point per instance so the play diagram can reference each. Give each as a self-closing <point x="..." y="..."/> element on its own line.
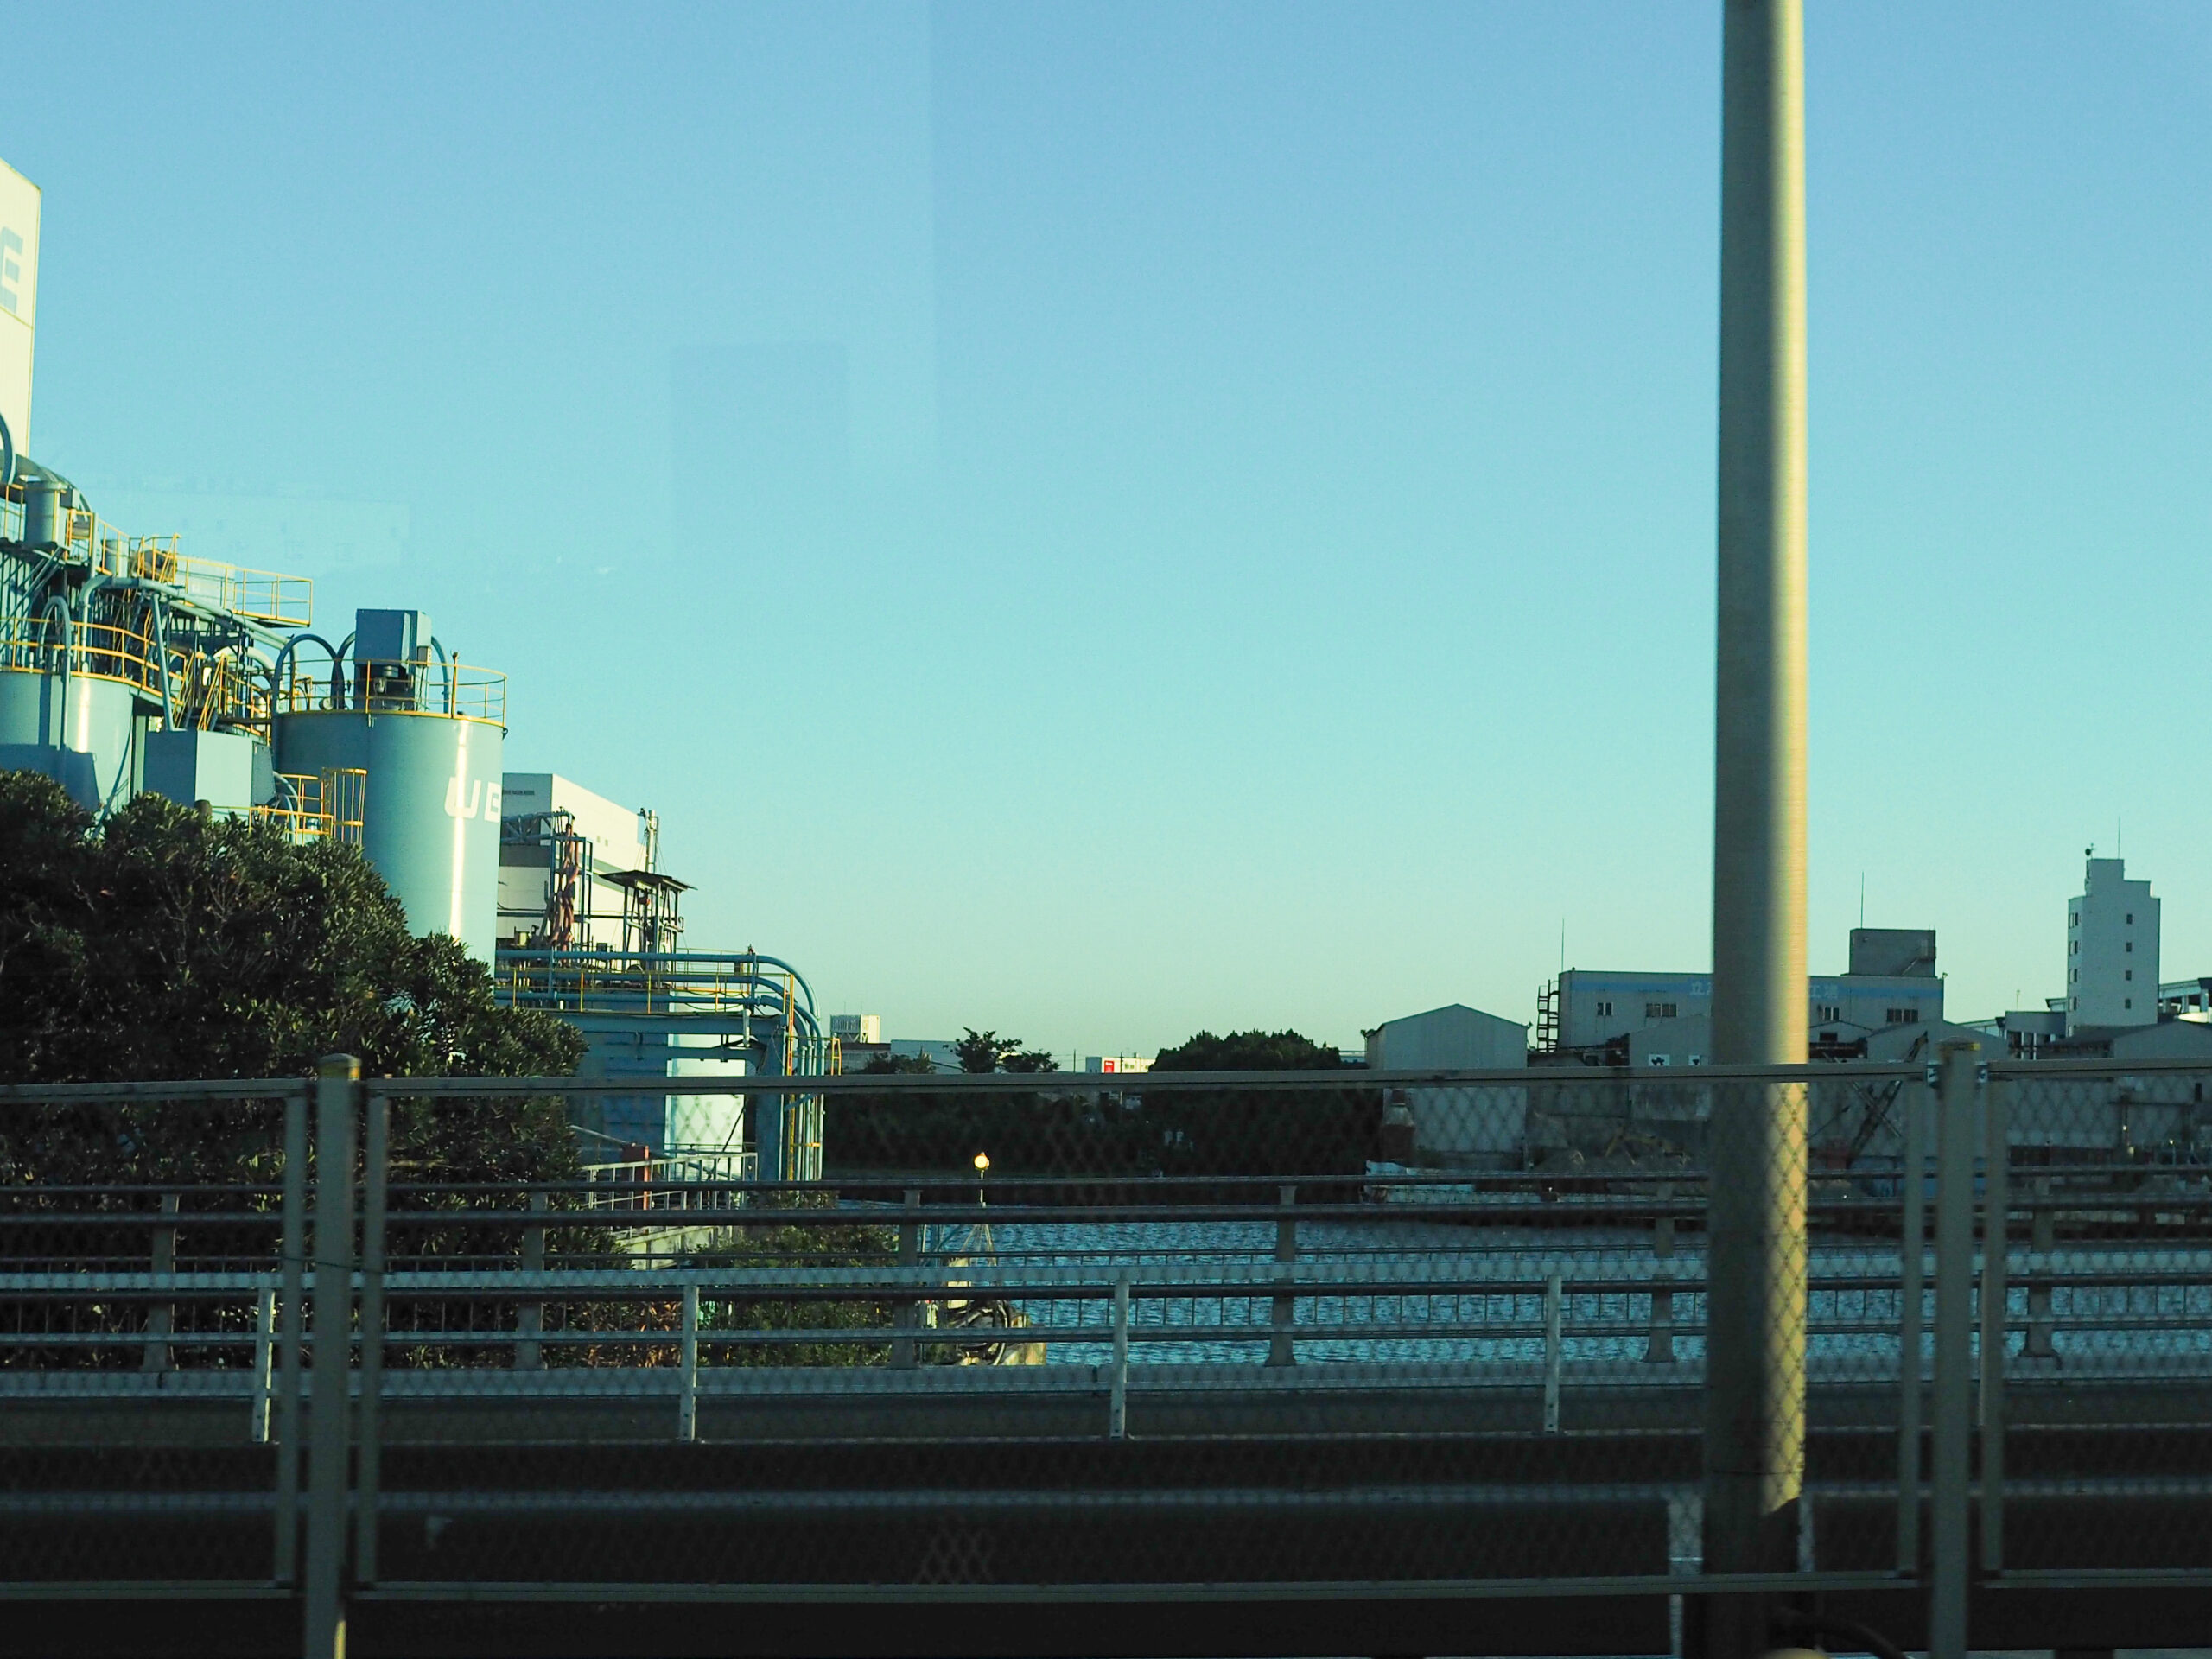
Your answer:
<point x="1997" y="1158"/>
<point x="1553" y="1298"/>
<point x="1912" y="1315"/>
<point x="265" y="1361"/>
<point x="1284" y="1315"/>
<point x="1953" y="1449"/>
<point x="292" y="1268"/>
<point x="2043" y="1239"/>
<point x="376" y="1167"/>
<point x="1117" y="1402"/>
<point x="686" y="1411"/>
<point x="909" y="1314"/>
<point x="337" y="1083"/>
<point x="160" y="1317"/>
<point x="1659" y="1346"/>
<point x="530" y="1318"/>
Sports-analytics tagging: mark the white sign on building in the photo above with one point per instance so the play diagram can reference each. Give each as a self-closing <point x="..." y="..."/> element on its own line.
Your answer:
<point x="19" y="206"/>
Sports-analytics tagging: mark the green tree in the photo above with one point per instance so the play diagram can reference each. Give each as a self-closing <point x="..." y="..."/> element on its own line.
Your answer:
<point x="984" y="1051"/>
<point x="926" y="1131"/>
<point x="1249" y="1051"/>
<point x="170" y="943"/>
<point x="1259" y="1131"/>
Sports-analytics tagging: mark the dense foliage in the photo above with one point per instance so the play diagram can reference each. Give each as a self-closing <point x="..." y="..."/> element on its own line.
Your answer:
<point x="1261" y="1131"/>
<point x="167" y="942"/>
<point x="1071" y="1126"/>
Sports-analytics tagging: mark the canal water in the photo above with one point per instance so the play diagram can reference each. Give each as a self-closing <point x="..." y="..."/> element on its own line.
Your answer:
<point x="1853" y="1309"/>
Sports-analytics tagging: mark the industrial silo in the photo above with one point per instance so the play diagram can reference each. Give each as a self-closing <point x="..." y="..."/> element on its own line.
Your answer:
<point x="427" y="732"/>
<point x="81" y="727"/>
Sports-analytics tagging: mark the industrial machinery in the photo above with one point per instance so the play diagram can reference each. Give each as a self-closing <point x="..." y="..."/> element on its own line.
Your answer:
<point x="588" y="930"/>
<point x="426" y="731"/>
<point x="125" y="666"/>
<point x="686" y="1014"/>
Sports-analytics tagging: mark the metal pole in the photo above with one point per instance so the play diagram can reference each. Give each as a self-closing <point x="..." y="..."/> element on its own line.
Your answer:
<point x="1284" y="1315"/>
<point x="337" y="1080"/>
<point x="376" y="1165"/>
<point x="1659" y="1345"/>
<point x="2043" y="1239"/>
<point x="1117" y="1402"/>
<point x="908" y="1314"/>
<point x="1950" y="1474"/>
<point x="1553" y="1298"/>
<point x="264" y="1362"/>
<point x="1996" y="1159"/>
<point x="292" y="1268"/>
<point x="160" y="1317"/>
<point x="1755" y="1396"/>
<point x="1912" y="1245"/>
<point x="687" y="1410"/>
<point x="530" y="1318"/>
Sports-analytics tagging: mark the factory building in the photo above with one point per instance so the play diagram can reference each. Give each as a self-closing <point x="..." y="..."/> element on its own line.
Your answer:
<point x="126" y="665"/>
<point x="420" y="735"/>
<point x="1459" y="1126"/>
<point x="588" y="926"/>
<point x="1611" y="1016"/>
<point x="1454" y="1038"/>
<point x="576" y="871"/>
<point x="2112" y="950"/>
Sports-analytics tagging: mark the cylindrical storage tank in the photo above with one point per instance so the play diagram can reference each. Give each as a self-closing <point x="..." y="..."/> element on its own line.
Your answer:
<point x="430" y="822"/>
<point x="42" y="507"/>
<point x="90" y="732"/>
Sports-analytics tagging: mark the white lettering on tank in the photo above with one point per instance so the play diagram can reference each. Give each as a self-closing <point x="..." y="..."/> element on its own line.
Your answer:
<point x="453" y="808"/>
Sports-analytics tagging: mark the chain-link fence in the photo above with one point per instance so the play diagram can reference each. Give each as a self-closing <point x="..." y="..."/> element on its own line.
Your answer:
<point x="1828" y="1329"/>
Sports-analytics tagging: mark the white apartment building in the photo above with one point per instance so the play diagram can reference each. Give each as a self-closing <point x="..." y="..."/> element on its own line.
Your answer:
<point x="2112" y="949"/>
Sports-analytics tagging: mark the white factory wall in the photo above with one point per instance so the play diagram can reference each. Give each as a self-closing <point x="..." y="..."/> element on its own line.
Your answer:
<point x="1454" y="1125"/>
<point x="1453" y="1037"/>
<point x="617" y="834"/>
<point x="1597" y="1005"/>
<point x="19" y="217"/>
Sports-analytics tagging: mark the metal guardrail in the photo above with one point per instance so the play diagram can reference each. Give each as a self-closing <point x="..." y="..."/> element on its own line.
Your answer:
<point x="451" y="690"/>
<point x="204" y="690"/>
<point x="1255" y="1285"/>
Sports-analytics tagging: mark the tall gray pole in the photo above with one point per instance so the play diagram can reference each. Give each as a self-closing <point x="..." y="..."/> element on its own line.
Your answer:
<point x="1755" y="1402"/>
<point x="337" y="1079"/>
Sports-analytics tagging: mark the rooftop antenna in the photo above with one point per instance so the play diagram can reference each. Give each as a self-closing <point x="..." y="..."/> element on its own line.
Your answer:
<point x="1862" y="897"/>
<point x="1562" y="945"/>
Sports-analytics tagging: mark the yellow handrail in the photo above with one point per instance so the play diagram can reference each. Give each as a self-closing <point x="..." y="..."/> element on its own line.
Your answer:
<point x="452" y="691"/>
<point x="204" y="690"/>
<point x="327" y="806"/>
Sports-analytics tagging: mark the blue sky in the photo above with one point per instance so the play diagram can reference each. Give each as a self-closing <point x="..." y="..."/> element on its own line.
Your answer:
<point x="1101" y="520"/>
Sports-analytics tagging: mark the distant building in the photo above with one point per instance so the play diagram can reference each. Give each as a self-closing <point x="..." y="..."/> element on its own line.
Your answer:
<point x="869" y="1044"/>
<point x="1452" y="1126"/>
<point x="1115" y="1063"/>
<point x="1598" y="1014"/>
<point x="2186" y="999"/>
<point x="2112" y="950"/>
<point x="2034" y="1034"/>
<point x="1454" y="1038"/>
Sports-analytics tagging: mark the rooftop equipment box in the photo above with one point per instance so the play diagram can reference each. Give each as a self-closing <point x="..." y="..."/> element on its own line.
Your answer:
<point x="230" y="770"/>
